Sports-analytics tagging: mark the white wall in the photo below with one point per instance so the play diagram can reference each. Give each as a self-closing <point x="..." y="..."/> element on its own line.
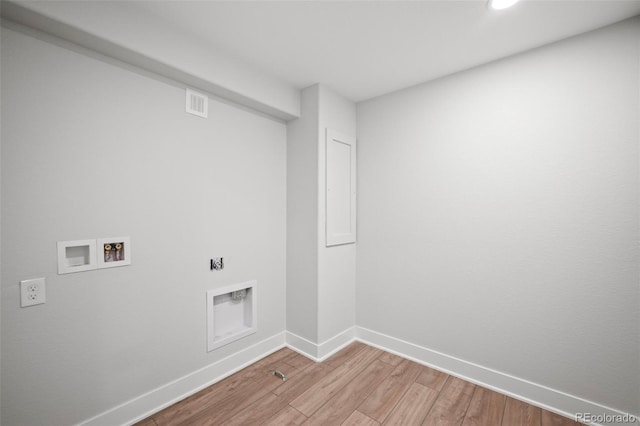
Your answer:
<point x="90" y="149"/>
<point x="122" y="30"/>
<point x="498" y="222"/>
<point x="336" y="264"/>
<point x="320" y="279"/>
<point x="498" y="216"/>
<point x="302" y="219"/>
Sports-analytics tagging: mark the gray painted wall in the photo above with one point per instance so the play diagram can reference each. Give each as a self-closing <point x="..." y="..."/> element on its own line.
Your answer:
<point x="336" y="264"/>
<point x="498" y="216"/>
<point x="320" y="280"/>
<point x="498" y="222"/>
<point x="302" y="218"/>
<point x="92" y="148"/>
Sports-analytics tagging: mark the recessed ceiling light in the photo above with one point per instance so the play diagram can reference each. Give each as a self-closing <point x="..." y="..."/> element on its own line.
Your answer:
<point x="501" y="4"/>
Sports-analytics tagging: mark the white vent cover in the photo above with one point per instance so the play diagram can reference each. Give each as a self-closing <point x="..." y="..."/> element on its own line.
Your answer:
<point x="197" y="104"/>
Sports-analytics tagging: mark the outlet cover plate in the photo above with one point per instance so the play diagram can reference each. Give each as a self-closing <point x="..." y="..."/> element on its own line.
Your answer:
<point x="32" y="292"/>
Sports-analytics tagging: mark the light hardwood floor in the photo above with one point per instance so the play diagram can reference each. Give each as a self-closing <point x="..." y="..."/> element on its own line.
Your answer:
<point x="359" y="385"/>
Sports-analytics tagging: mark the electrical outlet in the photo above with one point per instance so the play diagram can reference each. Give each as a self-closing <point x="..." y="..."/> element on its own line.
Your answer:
<point x="32" y="292"/>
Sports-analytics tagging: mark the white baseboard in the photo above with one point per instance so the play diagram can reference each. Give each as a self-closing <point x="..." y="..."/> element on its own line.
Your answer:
<point x="162" y="397"/>
<point x="321" y="351"/>
<point x="523" y="390"/>
<point x="302" y="345"/>
<point x="533" y="393"/>
<point x="337" y="342"/>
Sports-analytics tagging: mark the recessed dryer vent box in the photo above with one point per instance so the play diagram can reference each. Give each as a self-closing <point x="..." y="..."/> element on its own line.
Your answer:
<point x="231" y="314"/>
<point x="76" y="256"/>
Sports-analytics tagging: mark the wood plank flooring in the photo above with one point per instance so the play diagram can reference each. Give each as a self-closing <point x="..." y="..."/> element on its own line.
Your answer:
<point x="359" y="385"/>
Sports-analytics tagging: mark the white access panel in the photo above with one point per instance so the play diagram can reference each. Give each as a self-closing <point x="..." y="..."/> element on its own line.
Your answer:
<point x="340" y="189"/>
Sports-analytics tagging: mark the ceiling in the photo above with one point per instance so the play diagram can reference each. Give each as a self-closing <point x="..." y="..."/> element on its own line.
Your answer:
<point x="363" y="49"/>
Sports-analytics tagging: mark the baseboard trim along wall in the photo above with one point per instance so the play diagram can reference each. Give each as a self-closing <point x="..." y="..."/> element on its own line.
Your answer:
<point x="302" y="345"/>
<point x="162" y="397"/>
<point x="320" y="351"/>
<point x="533" y="393"/>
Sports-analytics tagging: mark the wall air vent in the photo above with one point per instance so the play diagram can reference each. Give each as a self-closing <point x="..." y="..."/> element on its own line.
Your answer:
<point x="197" y="104"/>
